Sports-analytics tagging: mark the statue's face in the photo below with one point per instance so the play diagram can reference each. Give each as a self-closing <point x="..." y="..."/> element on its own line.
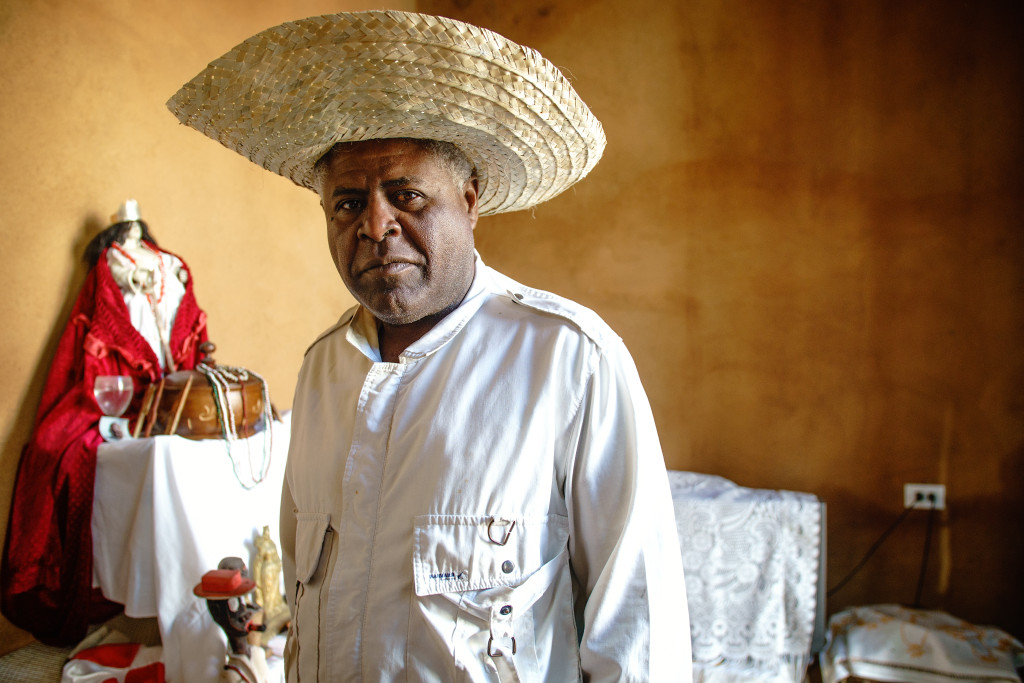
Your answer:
<point x="234" y="615"/>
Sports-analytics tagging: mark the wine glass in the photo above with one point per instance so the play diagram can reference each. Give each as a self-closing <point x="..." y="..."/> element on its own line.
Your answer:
<point x="113" y="393"/>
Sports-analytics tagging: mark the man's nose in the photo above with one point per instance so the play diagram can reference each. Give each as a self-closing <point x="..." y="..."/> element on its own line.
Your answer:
<point x="380" y="220"/>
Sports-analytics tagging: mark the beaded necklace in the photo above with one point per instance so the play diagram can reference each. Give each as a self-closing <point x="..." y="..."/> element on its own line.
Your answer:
<point x="219" y="376"/>
<point x="153" y="305"/>
<point x="163" y="272"/>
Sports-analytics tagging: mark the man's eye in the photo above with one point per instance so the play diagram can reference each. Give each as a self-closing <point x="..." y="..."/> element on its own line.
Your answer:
<point x="406" y="196"/>
<point x="348" y="205"/>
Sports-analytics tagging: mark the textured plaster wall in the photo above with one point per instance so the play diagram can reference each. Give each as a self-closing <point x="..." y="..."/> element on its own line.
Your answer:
<point x="807" y="228"/>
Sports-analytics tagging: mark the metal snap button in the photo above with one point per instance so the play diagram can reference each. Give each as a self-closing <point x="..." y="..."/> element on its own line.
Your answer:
<point x="507" y="566"/>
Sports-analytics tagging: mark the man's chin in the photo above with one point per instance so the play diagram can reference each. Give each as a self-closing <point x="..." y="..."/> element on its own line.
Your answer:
<point x="398" y="313"/>
<point x="395" y="320"/>
<point x="393" y="310"/>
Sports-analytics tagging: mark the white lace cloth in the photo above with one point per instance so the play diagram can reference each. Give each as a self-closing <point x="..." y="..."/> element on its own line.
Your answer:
<point x="751" y="560"/>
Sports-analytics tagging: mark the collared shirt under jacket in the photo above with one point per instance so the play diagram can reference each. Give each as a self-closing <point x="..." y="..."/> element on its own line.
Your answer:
<point x="492" y="507"/>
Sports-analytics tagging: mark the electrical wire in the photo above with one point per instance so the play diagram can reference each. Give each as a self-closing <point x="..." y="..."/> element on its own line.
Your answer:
<point x="875" y="546"/>
<point x="924" y="556"/>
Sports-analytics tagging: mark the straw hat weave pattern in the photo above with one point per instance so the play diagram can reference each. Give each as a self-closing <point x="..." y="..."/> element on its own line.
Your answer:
<point x="283" y="97"/>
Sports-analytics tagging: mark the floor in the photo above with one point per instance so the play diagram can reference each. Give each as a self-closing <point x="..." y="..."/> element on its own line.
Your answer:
<point x="39" y="663"/>
<point x="33" y="663"/>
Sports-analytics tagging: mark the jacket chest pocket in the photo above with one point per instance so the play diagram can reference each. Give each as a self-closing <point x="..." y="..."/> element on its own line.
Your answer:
<point x="496" y="591"/>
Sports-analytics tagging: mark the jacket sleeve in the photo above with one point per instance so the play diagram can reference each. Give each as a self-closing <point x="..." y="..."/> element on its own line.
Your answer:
<point x="631" y="609"/>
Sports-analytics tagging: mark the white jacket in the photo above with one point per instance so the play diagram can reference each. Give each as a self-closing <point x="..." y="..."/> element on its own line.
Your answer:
<point x="493" y="507"/>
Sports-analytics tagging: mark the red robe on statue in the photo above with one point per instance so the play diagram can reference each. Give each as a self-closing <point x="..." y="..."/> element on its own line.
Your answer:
<point x="47" y="569"/>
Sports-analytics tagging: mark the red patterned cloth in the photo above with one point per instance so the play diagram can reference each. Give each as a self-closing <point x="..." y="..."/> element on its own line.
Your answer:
<point x="47" y="569"/>
<point x="115" y="663"/>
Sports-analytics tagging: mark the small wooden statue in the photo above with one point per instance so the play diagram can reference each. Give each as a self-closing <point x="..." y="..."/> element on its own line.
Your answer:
<point x="226" y="589"/>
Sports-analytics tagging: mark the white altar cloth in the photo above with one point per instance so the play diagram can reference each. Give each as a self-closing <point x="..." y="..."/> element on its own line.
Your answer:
<point x="165" y="511"/>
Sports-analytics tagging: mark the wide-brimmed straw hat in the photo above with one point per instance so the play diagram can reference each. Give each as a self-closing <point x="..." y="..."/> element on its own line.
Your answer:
<point x="285" y="96"/>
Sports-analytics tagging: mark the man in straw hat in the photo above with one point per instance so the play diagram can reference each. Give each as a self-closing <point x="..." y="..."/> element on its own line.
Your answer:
<point x="475" y="489"/>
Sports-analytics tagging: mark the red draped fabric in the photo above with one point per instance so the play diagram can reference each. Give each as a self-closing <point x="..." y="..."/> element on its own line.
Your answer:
<point x="46" y="579"/>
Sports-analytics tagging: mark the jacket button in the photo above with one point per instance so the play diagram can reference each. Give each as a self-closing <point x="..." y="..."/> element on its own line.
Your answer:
<point x="506" y="610"/>
<point x="507" y="567"/>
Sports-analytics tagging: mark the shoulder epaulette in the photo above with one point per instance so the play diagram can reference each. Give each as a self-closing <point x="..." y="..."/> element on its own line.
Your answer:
<point x="586" y="320"/>
<point x="344" y="320"/>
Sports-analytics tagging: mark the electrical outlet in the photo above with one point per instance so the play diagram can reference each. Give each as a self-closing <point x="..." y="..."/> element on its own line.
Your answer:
<point x="929" y="495"/>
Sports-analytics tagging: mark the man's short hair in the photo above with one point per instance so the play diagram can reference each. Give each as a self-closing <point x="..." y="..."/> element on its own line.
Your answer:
<point x="458" y="165"/>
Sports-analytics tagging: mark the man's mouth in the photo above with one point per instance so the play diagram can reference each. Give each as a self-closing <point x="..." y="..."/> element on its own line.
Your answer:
<point x="387" y="266"/>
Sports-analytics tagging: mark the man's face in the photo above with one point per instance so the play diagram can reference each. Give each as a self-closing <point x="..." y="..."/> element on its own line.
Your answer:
<point x="399" y="228"/>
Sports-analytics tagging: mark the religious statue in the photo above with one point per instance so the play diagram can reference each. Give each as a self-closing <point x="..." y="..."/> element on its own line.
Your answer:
<point x="267" y="572"/>
<point x="151" y="280"/>
<point x="136" y="315"/>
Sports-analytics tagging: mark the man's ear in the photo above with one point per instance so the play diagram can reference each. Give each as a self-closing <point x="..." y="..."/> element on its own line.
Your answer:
<point x="471" y="194"/>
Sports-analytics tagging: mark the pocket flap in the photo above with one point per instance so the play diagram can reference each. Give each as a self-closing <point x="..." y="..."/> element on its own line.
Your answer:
<point x="455" y="553"/>
<point x="310" y="531"/>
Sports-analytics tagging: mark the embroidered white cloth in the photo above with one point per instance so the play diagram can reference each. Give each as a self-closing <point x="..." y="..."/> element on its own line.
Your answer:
<point x="895" y="643"/>
<point x="751" y="560"/>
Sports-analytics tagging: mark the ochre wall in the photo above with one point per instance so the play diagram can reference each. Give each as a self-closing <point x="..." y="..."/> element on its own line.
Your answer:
<point x="806" y="228"/>
<point x="84" y="126"/>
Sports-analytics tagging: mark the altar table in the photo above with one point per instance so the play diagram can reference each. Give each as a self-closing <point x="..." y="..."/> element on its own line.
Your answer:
<point x="166" y="510"/>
